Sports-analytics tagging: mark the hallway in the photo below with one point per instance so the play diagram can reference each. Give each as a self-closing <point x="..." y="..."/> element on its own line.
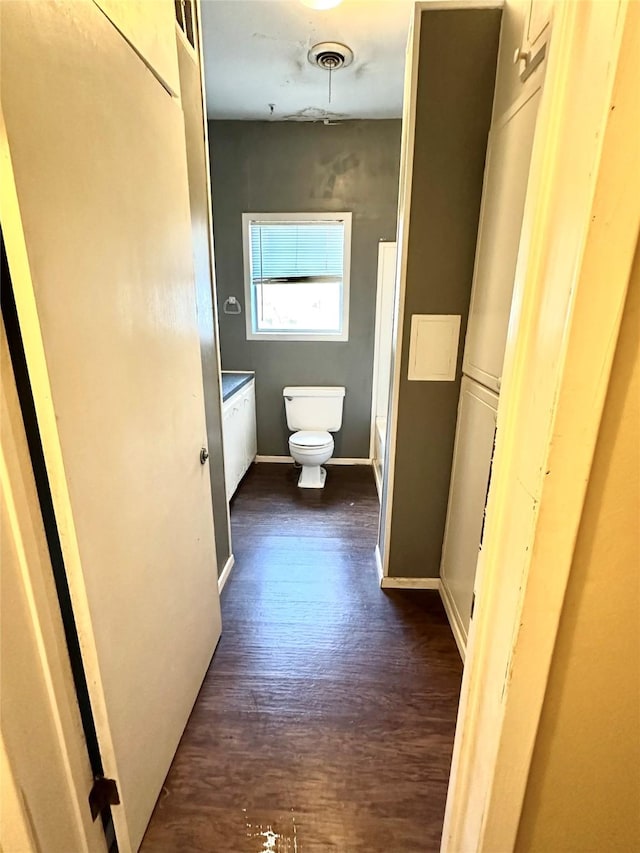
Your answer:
<point x="326" y="720"/>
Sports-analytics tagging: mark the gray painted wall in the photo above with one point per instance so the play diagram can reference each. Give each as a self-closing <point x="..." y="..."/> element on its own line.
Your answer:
<point x="456" y="74"/>
<point x="288" y="167"/>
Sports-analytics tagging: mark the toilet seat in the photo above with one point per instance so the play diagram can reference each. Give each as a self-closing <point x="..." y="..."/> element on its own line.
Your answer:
<point x="311" y="439"/>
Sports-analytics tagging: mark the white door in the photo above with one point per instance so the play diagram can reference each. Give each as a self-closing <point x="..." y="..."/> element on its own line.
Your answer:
<point x="95" y="213"/>
<point x="467" y="497"/>
<point x="505" y="187"/>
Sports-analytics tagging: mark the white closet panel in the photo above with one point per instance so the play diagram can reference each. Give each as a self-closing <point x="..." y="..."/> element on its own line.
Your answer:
<point x="510" y="144"/>
<point x="467" y="496"/>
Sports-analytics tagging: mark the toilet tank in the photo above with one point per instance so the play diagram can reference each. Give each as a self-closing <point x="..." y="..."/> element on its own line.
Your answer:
<point x="314" y="408"/>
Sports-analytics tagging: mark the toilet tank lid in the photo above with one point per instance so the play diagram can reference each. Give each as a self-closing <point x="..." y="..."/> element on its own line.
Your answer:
<point x="313" y="391"/>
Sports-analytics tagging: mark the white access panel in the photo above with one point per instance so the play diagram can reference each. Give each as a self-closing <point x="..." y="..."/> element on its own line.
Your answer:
<point x="433" y="347"/>
<point x="467" y="496"/>
<point x="510" y="145"/>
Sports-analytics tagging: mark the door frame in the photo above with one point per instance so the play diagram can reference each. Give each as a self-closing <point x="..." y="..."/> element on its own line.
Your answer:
<point x="580" y="225"/>
<point x="222" y="579"/>
<point x="80" y="745"/>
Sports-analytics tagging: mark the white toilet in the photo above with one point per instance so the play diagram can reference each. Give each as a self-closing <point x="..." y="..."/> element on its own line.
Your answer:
<point x="315" y="412"/>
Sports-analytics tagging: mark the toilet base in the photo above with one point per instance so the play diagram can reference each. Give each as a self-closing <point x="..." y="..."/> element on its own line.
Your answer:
<point x="312" y="477"/>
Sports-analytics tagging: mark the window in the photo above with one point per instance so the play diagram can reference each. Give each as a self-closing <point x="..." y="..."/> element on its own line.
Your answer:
<point x="297" y="275"/>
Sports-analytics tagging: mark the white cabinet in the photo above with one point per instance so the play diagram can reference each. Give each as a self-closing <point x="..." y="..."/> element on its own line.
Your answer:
<point x="239" y="435"/>
<point x="507" y="172"/>
<point x="467" y="497"/>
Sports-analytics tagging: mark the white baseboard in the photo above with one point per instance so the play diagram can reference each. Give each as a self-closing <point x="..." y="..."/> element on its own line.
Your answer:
<point x="344" y="461"/>
<point x="454" y="619"/>
<point x="389" y="582"/>
<point x="224" y="577"/>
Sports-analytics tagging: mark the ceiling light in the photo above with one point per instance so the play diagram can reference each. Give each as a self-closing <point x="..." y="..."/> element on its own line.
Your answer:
<point x="320" y="5"/>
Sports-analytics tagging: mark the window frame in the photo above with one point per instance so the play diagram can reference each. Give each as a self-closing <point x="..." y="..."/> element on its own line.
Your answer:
<point x="345" y="218"/>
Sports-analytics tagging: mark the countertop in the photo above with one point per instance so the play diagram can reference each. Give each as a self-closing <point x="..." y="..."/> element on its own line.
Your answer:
<point x="232" y="382"/>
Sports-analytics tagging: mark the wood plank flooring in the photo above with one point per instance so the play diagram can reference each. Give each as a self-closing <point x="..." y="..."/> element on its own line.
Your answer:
<point x="326" y="720"/>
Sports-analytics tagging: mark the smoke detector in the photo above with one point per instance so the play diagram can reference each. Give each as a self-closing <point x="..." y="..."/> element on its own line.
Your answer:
<point x="330" y="55"/>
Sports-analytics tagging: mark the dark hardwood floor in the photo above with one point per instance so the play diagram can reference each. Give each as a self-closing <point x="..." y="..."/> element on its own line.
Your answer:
<point x="326" y="720"/>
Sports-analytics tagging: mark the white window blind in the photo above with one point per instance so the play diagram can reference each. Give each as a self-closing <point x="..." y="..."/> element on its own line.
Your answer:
<point x="296" y="252"/>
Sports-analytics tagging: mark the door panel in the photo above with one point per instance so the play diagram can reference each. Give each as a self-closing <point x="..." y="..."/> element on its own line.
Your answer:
<point x="95" y="210"/>
<point x="504" y="192"/>
<point x="250" y="422"/>
<point x="201" y="231"/>
<point x="150" y="28"/>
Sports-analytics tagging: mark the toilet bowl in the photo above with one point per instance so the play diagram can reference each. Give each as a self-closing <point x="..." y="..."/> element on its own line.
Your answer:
<point x="311" y="449"/>
<point x="314" y="412"/>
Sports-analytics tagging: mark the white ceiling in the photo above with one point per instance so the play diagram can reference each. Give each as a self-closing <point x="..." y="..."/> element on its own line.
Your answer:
<point x="255" y="54"/>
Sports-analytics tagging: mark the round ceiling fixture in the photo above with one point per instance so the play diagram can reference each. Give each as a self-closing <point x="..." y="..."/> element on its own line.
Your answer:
<point x="321" y="5"/>
<point x="330" y="55"/>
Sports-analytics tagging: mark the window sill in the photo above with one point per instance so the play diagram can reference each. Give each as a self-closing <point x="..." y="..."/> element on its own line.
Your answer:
<point x="285" y="336"/>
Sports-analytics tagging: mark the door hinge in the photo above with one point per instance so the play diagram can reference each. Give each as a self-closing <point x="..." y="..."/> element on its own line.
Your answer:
<point x="473" y="605"/>
<point x="104" y="793"/>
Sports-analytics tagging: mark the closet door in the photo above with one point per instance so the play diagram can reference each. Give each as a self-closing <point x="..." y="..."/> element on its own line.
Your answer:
<point x="467" y="497"/>
<point x="95" y="213"/>
<point x="510" y="145"/>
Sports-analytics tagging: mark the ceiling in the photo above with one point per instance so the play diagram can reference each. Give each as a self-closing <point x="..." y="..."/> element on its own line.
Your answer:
<point x="255" y="54"/>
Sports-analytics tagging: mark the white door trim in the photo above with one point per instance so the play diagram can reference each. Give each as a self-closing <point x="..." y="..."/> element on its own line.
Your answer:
<point x="212" y="255"/>
<point x="580" y="230"/>
<point x="402" y="244"/>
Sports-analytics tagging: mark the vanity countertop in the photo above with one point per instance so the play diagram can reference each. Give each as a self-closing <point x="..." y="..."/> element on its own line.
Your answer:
<point x="232" y="382"/>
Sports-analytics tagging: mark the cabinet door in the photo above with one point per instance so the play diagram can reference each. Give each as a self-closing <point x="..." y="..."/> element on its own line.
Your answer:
<point x="227" y="413"/>
<point x="467" y="497"/>
<point x="505" y="188"/>
<point x="233" y="445"/>
<point x="249" y="425"/>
